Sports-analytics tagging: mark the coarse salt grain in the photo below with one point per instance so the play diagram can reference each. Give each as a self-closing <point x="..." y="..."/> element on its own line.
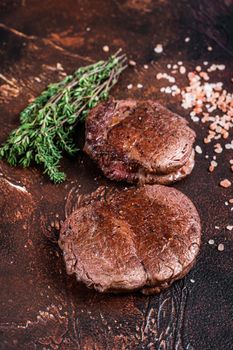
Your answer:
<point x="59" y="66"/>
<point x="214" y="163"/>
<point x="198" y="149"/>
<point x="182" y="70"/>
<point x="146" y="66"/>
<point x="195" y="119"/>
<point x="204" y="75"/>
<point x="211" y="241"/>
<point x="158" y="48"/>
<point x="221" y="247"/>
<point x="218" y="148"/>
<point x="231" y="200"/>
<point x="229" y="227"/>
<point x="139" y="86"/>
<point x="106" y="48"/>
<point x="132" y="63"/>
<point x="37" y="79"/>
<point x="221" y="66"/>
<point x="187" y="39"/>
<point x="130" y="86"/>
<point x="211" y="168"/>
<point x="168" y="90"/>
<point x="209" y="48"/>
<point x="192" y="281"/>
<point x="225" y="183"/>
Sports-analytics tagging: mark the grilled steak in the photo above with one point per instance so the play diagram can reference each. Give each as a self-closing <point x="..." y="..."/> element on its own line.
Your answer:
<point x="131" y="239"/>
<point x="139" y="142"/>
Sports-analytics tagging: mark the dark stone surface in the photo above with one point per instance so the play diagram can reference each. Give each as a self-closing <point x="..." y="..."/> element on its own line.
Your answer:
<point x="42" y="307"/>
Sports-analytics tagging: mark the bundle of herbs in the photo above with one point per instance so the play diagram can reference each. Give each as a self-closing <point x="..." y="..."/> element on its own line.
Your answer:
<point x="48" y="124"/>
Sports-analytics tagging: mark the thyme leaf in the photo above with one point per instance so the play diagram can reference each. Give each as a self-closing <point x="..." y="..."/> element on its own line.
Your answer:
<point x="47" y="125"/>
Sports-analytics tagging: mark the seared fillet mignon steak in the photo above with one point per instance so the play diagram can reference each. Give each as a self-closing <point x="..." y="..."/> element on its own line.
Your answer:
<point x="131" y="239"/>
<point x="139" y="142"/>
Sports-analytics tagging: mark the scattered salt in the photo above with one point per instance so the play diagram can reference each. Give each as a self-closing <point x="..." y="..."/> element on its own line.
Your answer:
<point x="182" y="70"/>
<point x="214" y="163"/>
<point x="228" y="146"/>
<point x="198" y="149"/>
<point x="132" y="63"/>
<point x="105" y="48"/>
<point x="165" y="76"/>
<point x="195" y="119"/>
<point x="225" y="183"/>
<point x="158" y="48"/>
<point x="209" y="102"/>
<point x="221" y="247"/>
<point x="168" y="90"/>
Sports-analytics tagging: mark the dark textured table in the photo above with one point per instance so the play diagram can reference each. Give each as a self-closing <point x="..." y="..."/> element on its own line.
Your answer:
<point x="42" y="307"/>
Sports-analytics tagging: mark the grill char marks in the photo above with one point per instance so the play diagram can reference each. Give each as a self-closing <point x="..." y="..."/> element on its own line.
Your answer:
<point x="139" y="141"/>
<point x="132" y="239"/>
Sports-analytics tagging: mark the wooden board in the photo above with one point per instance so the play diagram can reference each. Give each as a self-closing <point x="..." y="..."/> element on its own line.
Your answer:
<point x="43" y="308"/>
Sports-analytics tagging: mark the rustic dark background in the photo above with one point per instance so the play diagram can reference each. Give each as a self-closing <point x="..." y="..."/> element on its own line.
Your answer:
<point x="41" y="307"/>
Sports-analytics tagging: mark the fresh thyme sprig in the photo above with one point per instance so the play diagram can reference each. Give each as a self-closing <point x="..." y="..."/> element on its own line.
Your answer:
<point x="48" y="124"/>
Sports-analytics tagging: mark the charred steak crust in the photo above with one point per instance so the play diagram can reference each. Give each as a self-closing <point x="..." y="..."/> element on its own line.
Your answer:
<point x="139" y="141"/>
<point x="131" y="239"/>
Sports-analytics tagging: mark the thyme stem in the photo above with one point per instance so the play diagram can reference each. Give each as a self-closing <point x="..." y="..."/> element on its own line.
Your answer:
<point x="48" y="124"/>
